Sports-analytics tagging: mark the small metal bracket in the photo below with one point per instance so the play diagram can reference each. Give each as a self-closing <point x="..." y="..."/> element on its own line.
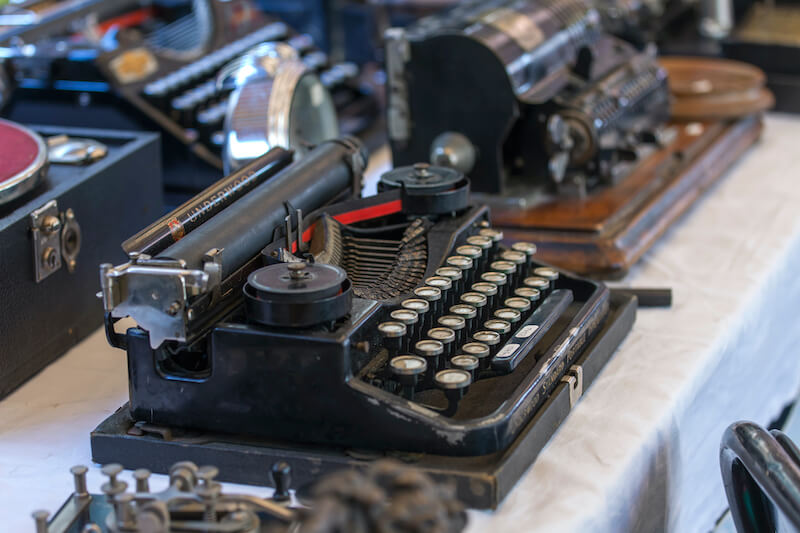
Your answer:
<point x="46" y="228"/>
<point x="55" y="235"/>
<point x="574" y="381"/>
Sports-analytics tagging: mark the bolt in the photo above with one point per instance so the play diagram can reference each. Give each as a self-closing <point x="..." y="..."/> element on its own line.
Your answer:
<point x="113" y="486"/>
<point x="142" y="476"/>
<point x="41" y="520"/>
<point x="50" y="258"/>
<point x="173" y="308"/>
<point x="421" y="170"/>
<point x="51" y="224"/>
<point x="79" y="476"/>
<point x="209" y="491"/>
<point x="297" y="270"/>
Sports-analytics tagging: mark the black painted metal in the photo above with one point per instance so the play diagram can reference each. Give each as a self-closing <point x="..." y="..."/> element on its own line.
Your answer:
<point x="481" y="481"/>
<point x="761" y="474"/>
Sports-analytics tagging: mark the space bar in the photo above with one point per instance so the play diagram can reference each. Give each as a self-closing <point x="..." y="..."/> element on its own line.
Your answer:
<point x="533" y="329"/>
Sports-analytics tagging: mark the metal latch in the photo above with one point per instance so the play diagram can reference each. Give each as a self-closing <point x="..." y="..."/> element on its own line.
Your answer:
<point x="574" y="381"/>
<point x="56" y="236"/>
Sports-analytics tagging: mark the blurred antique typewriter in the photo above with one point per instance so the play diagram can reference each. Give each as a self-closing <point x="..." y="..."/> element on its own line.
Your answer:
<point x="562" y="127"/>
<point x="183" y="66"/>
<point x="393" y="324"/>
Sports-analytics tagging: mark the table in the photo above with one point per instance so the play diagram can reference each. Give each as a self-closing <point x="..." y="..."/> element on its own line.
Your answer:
<point x="638" y="453"/>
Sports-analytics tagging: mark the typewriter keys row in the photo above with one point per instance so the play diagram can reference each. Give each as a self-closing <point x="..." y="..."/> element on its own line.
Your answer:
<point x="459" y="324"/>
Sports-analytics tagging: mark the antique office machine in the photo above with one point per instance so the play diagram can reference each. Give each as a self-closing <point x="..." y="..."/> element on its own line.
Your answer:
<point x="561" y="126"/>
<point x="388" y="497"/>
<point x="394" y="324"/>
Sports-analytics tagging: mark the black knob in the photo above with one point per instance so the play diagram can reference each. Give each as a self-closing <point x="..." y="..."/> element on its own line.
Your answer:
<point x="281" y="479"/>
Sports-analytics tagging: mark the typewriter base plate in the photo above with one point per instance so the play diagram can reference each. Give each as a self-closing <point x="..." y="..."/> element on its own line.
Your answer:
<point x="481" y="482"/>
<point x="605" y="233"/>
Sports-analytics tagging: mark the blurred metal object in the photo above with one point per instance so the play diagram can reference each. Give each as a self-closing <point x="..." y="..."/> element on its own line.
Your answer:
<point x="716" y="18"/>
<point x="66" y="150"/>
<point x="761" y="474"/>
<point x="277" y="101"/>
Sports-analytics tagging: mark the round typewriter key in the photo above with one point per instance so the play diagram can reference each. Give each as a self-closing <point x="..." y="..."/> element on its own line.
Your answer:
<point x="476" y="349"/>
<point x="440" y="282"/>
<point x="392" y="333"/>
<point x="460" y="262"/>
<point x="476" y="300"/>
<point x="433" y="296"/>
<point x="498" y="278"/>
<point x="485" y="288"/>
<point x="449" y="272"/>
<point x="465" y="264"/>
<point x="444" y="285"/>
<point x="536" y="282"/>
<point x="495" y="235"/>
<point x="447" y="337"/>
<point x="482" y="242"/>
<point x="489" y="338"/>
<point x="528" y="248"/>
<point x="528" y="293"/>
<point x="453" y="378"/>
<point x="454" y="322"/>
<point x="506" y="267"/>
<point x="408" y="365"/>
<point x="430" y="349"/>
<point x="454" y="275"/>
<point x="407" y="369"/>
<point x="522" y="305"/>
<point x="469" y="363"/>
<point x="547" y="273"/>
<point x="473" y="252"/>
<point x="410" y="319"/>
<point x="512" y="256"/>
<point x="421" y="307"/>
<point x="406" y="316"/>
<point x="464" y="362"/>
<point x="467" y="312"/>
<point x="509" y="315"/>
<point x="500" y="327"/>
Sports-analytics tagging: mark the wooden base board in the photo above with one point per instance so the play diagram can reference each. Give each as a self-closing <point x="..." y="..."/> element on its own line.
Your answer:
<point x="605" y="233"/>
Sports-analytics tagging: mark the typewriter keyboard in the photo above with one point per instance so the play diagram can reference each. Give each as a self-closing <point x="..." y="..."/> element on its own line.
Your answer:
<point x="478" y="318"/>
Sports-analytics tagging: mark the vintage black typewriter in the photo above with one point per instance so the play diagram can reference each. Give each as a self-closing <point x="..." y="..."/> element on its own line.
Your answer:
<point x="397" y="323"/>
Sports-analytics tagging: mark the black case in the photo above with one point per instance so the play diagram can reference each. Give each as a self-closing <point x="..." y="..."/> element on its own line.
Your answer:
<point x="112" y="199"/>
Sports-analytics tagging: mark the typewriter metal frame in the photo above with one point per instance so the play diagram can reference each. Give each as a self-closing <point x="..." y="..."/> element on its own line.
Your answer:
<point x="481" y="482"/>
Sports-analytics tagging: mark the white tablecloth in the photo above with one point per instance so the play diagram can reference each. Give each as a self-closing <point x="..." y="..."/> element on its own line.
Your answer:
<point x="639" y="452"/>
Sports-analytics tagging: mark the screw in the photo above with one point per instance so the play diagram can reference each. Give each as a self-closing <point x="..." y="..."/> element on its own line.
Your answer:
<point x="79" y="476"/>
<point x="51" y="224"/>
<point x="297" y="270"/>
<point x="421" y="170"/>
<point x="113" y="486"/>
<point x="209" y="491"/>
<point x="41" y="520"/>
<point x="50" y="258"/>
<point x="173" y="308"/>
<point x="142" y="476"/>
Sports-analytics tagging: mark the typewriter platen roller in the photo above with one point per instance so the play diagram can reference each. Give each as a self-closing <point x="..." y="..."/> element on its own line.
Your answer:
<point x="397" y="322"/>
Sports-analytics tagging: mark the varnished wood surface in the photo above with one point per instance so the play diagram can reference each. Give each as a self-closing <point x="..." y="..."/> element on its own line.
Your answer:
<point x="605" y="233"/>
